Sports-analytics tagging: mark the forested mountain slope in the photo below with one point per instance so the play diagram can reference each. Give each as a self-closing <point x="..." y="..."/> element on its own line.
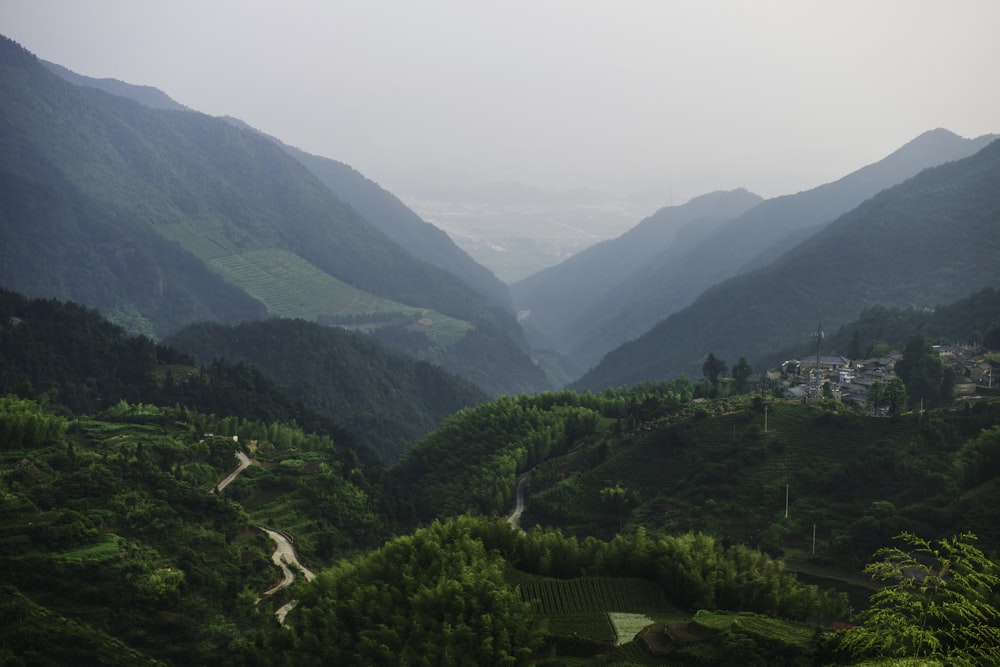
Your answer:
<point x="673" y="280"/>
<point x="79" y="363"/>
<point x="376" y="205"/>
<point x="160" y="218"/>
<point x="385" y="397"/>
<point x="402" y="225"/>
<point x="145" y="95"/>
<point x="557" y="296"/>
<point x="973" y="320"/>
<point x="119" y="547"/>
<point x="930" y="240"/>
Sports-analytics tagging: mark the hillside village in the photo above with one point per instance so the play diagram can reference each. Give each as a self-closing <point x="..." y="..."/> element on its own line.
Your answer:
<point x="849" y="381"/>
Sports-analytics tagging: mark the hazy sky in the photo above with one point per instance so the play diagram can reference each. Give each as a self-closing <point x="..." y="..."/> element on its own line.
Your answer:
<point x="685" y="97"/>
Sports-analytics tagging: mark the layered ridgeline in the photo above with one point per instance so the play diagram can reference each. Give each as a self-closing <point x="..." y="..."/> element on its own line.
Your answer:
<point x="702" y="254"/>
<point x="160" y="218"/>
<point x="340" y="383"/>
<point x="385" y="397"/>
<point x="555" y="299"/>
<point x="932" y="239"/>
<point x="376" y="205"/>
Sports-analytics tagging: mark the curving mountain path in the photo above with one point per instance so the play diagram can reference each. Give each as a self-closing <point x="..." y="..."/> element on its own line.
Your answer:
<point x="514" y="518"/>
<point x="245" y="462"/>
<point x="284" y="553"/>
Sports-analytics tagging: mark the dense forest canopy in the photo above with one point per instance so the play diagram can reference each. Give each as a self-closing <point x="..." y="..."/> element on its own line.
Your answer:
<point x="652" y="505"/>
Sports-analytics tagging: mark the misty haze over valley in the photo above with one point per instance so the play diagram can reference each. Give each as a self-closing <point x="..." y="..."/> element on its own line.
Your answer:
<point x="445" y="333"/>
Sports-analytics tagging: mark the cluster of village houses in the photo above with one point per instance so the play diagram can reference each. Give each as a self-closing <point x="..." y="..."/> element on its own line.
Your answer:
<point x="850" y="379"/>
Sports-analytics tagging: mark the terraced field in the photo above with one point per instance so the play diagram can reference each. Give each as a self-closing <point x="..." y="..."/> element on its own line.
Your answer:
<point x="581" y="607"/>
<point x="291" y="287"/>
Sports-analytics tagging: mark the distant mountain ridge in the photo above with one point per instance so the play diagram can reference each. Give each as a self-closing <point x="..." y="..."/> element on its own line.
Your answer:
<point x="557" y="297"/>
<point x="378" y="206"/>
<point x="673" y="279"/>
<point x="145" y="95"/>
<point x="933" y="239"/>
<point x="164" y="217"/>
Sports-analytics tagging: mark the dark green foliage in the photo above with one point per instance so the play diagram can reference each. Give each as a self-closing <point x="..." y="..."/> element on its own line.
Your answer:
<point x="112" y="526"/>
<point x="77" y="360"/>
<point x="928" y="382"/>
<point x="716" y="468"/>
<point x="471" y="463"/>
<point x="936" y="603"/>
<point x="962" y="321"/>
<point x="713" y="368"/>
<point x="742" y="372"/>
<point x="73" y="355"/>
<point x="436" y="597"/>
<point x="484" y="355"/>
<point x="386" y="398"/>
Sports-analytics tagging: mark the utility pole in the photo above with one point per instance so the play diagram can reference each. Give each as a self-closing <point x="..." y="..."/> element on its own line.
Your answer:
<point x="819" y="346"/>
<point x="814" y="540"/>
<point x="786" y="501"/>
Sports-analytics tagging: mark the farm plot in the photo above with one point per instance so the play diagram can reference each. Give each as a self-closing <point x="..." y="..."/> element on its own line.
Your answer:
<point x="289" y="286"/>
<point x="627" y="625"/>
<point x="582" y="607"/>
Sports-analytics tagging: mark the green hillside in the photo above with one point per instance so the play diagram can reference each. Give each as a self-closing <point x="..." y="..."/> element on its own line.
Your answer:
<point x="384" y="397"/>
<point x="160" y="218"/>
<point x="118" y="533"/>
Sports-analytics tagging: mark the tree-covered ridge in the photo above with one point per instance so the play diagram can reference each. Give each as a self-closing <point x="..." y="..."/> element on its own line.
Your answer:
<point x="110" y="521"/>
<point x="472" y="461"/>
<point x="384" y="397"/>
<point x="448" y="594"/>
<point x="974" y="319"/>
<point x="76" y="360"/>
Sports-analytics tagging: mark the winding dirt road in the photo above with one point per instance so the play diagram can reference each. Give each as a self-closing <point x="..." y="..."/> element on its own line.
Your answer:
<point x="284" y="552"/>
<point x="514" y="518"/>
<point x="245" y="462"/>
<point x="283" y="556"/>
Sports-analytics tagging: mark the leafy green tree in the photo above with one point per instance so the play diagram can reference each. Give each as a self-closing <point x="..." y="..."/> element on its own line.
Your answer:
<point x="935" y="603"/>
<point x="876" y="396"/>
<point x="923" y="373"/>
<point x="877" y="349"/>
<point x="712" y="369"/>
<point x="895" y="396"/>
<point x="742" y="372"/>
<point x="854" y="350"/>
<point x="617" y="498"/>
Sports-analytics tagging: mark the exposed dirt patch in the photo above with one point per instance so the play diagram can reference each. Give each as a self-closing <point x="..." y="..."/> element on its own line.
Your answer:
<point x="665" y="636"/>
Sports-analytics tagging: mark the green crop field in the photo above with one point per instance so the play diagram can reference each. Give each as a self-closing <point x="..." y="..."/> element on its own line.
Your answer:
<point x="627" y="625"/>
<point x="581" y="607"/>
<point x="789" y="632"/>
<point x="289" y="286"/>
<point x="90" y="554"/>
